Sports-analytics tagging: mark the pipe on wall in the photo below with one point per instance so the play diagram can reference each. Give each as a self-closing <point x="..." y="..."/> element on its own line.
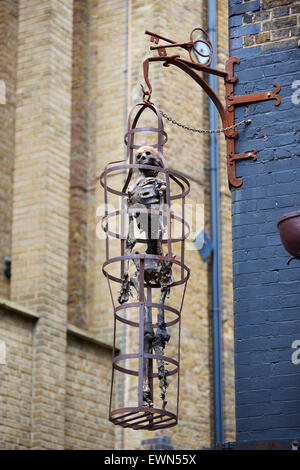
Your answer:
<point x="215" y="236"/>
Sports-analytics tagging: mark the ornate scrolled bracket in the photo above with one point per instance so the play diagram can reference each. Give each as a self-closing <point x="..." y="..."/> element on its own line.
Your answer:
<point x="192" y="68"/>
<point x="231" y="102"/>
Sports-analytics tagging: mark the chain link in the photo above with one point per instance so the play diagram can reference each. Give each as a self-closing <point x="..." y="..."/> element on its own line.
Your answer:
<point x="204" y="131"/>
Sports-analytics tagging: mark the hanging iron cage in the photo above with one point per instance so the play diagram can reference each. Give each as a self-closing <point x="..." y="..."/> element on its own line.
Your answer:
<point x="144" y="274"/>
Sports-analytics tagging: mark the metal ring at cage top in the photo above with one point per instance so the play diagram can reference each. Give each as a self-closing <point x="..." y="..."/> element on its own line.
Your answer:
<point x="145" y="129"/>
<point x="145" y="257"/>
<point x="133" y="129"/>
<point x="132" y="124"/>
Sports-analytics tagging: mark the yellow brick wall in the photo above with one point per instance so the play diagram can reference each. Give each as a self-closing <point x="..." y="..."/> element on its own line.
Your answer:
<point x="87" y="395"/>
<point x="77" y="279"/>
<point x="8" y="58"/>
<point x="41" y="201"/>
<point x="86" y="386"/>
<point x="16" y="381"/>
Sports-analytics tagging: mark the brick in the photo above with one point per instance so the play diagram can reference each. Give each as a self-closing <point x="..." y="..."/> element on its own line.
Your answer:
<point x="281" y="11"/>
<point x="249" y="41"/>
<point x="252" y="371"/>
<point x="261" y="15"/>
<point x="284" y="177"/>
<point x="280" y="34"/>
<point x="280" y="23"/>
<point x="295" y="8"/>
<point x="244" y="7"/>
<point x="247" y="53"/>
<point x="236" y="43"/>
<point x="235" y="21"/>
<point x="257" y="397"/>
<point x="262" y="38"/>
<point x="245" y="30"/>
<point x="267" y="4"/>
<point x="247" y="18"/>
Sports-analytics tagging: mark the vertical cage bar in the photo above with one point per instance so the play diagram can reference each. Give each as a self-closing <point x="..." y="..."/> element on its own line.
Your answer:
<point x="106" y="214"/>
<point x="150" y="378"/>
<point x="168" y="203"/>
<point x="141" y="331"/>
<point x="182" y="236"/>
<point x="122" y="231"/>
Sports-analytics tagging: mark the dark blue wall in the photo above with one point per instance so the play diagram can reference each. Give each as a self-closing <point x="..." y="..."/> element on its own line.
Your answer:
<point x="266" y="289"/>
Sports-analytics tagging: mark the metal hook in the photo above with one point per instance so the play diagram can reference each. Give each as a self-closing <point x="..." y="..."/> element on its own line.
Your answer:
<point x="146" y="93"/>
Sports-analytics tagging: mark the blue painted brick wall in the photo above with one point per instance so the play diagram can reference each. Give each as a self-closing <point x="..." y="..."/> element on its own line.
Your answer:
<point x="266" y="289"/>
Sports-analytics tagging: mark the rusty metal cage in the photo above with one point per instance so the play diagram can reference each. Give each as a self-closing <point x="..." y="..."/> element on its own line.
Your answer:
<point x="143" y="415"/>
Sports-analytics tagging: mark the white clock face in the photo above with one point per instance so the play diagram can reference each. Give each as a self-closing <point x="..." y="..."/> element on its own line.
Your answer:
<point x="201" y="51"/>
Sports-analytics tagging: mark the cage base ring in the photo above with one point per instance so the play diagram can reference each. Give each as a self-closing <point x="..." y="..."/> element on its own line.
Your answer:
<point x="145" y="418"/>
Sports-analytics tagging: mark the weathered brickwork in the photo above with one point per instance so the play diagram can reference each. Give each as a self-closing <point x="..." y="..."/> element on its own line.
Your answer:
<point x="265" y="23"/>
<point x="41" y="202"/>
<point x="87" y="385"/>
<point x="79" y="166"/>
<point x="107" y="69"/>
<point x="16" y="380"/>
<point x="87" y="396"/>
<point x="8" y="57"/>
<point x="266" y="289"/>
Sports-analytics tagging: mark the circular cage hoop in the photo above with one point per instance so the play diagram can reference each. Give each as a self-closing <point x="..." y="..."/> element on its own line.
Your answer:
<point x="125" y="370"/>
<point x="147" y="304"/>
<point x="145" y="257"/>
<point x="180" y="180"/>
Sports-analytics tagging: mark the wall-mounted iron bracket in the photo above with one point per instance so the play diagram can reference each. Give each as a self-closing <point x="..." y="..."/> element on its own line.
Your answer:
<point x="192" y="68"/>
<point x="231" y="102"/>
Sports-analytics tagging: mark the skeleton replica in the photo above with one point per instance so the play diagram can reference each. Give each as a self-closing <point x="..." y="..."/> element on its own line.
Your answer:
<point x="148" y="191"/>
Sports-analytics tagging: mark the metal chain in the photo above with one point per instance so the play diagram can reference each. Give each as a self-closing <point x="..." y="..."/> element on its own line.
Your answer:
<point x="204" y="131"/>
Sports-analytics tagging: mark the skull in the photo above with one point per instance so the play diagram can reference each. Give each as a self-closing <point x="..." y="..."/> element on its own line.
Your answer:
<point x="147" y="155"/>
